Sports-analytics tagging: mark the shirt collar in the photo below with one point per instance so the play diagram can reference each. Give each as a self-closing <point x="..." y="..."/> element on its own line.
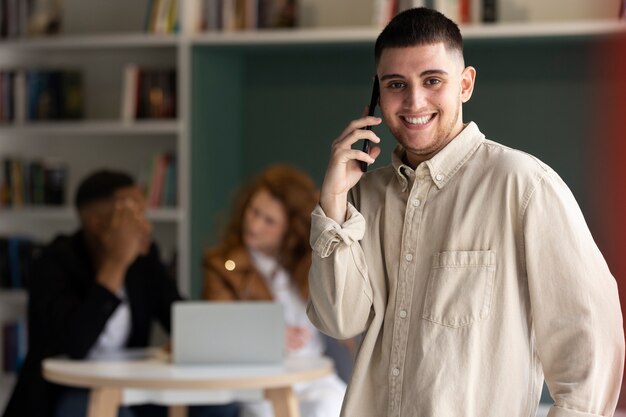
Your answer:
<point x="446" y="162"/>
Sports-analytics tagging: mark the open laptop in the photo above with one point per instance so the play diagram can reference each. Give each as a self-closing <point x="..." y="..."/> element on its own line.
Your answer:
<point x="227" y="333"/>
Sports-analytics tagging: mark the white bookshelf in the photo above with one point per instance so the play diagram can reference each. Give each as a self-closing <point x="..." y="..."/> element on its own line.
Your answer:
<point x="100" y="48"/>
<point x="102" y="136"/>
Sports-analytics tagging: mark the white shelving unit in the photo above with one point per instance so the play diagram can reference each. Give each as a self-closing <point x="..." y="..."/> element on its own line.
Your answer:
<point x="102" y="138"/>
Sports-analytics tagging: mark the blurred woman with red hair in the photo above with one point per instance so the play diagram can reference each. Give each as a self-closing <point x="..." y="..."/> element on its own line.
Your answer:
<point x="265" y="255"/>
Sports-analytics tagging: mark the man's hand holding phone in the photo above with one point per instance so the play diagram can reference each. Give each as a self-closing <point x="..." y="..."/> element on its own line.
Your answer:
<point x="344" y="169"/>
<point x="347" y="165"/>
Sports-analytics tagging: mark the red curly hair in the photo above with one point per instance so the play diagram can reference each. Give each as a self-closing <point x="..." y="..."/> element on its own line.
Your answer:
<point x="298" y="195"/>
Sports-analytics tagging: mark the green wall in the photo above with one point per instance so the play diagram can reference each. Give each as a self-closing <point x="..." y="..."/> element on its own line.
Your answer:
<point x="253" y="106"/>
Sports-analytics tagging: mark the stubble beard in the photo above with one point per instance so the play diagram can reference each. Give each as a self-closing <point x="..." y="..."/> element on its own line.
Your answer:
<point x="443" y="136"/>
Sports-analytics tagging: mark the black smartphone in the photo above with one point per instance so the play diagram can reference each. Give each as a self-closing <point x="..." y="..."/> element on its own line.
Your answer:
<point x="372" y="110"/>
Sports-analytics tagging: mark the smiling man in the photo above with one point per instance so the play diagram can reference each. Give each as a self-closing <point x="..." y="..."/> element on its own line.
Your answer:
<point x="466" y="266"/>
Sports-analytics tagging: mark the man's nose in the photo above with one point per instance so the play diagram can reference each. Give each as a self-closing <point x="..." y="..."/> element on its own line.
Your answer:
<point x="415" y="98"/>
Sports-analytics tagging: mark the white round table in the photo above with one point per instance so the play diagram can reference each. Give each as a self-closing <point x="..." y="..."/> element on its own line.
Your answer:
<point x="107" y="379"/>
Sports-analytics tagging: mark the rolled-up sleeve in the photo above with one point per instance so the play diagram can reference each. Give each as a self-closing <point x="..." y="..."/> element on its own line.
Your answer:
<point x="575" y="306"/>
<point x="340" y="292"/>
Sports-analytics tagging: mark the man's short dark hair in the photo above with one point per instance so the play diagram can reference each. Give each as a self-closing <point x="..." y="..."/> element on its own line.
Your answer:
<point x="100" y="185"/>
<point x="419" y="26"/>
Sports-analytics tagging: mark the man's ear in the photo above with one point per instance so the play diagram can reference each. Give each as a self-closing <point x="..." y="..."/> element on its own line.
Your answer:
<point x="468" y="78"/>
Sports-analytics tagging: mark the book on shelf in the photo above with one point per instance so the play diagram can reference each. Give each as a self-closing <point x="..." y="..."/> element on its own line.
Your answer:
<point x="489" y="11"/>
<point x="161" y="189"/>
<point x="36" y="95"/>
<point x="21" y="18"/>
<point x="460" y="11"/>
<point x="161" y="16"/>
<point x="7" y="107"/>
<point x="32" y="182"/>
<point x="148" y="93"/>
<point x="14" y="345"/>
<point x="236" y="15"/>
<point x="17" y="254"/>
<point x="54" y="95"/>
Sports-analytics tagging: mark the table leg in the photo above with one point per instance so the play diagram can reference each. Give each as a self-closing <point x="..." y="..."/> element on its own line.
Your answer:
<point x="104" y="402"/>
<point x="177" y="411"/>
<point x="284" y="401"/>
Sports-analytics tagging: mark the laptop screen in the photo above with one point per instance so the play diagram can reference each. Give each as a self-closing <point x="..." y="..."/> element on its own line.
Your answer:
<point x="210" y="332"/>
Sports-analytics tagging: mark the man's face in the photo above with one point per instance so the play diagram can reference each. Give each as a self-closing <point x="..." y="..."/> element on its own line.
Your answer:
<point x="422" y="89"/>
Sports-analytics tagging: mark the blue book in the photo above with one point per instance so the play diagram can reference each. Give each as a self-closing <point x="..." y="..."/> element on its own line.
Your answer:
<point x="21" y="344"/>
<point x="14" y="262"/>
<point x="34" y="88"/>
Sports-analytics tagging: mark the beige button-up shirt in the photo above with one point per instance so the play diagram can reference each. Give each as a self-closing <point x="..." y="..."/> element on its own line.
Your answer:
<point x="469" y="278"/>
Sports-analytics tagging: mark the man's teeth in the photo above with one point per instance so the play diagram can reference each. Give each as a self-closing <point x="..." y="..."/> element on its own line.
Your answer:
<point x="418" y="120"/>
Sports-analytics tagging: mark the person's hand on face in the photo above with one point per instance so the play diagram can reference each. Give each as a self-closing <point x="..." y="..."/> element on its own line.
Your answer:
<point x="127" y="234"/>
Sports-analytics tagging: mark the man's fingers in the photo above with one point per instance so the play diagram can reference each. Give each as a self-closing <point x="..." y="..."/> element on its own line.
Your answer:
<point x="361" y="123"/>
<point x="347" y="141"/>
<point x="346" y="156"/>
<point x="375" y="151"/>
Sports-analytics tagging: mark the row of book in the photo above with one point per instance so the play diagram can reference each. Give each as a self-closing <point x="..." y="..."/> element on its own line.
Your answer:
<point x="161" y="190"/>
<point x="16" y="258"/>
<point x="34" y="95"/>
<point x="148" y="93"/>
<point x="14" y="345"/>
<point x="460" y="11"/>
<point x="20" y="18"/>
<point x="161" y="16"/>
<point x="233" y="15"/>
<point x="32" y="182"/>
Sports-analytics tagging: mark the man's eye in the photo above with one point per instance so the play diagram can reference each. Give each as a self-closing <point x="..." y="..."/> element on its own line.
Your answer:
<point x="396" y="85"/>
<point x="432" y="81"/>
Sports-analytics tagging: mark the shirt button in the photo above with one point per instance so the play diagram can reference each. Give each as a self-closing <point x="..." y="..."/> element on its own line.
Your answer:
<point x="395" y="372"/>
<point x="416" y="203"/>
<point x="408" y="257"/>
<point x="439" y="177"/>
<point x="402" y="314"/>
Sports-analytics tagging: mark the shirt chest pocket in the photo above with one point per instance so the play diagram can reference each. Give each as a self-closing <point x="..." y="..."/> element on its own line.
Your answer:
<point x="460" y="287"/>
